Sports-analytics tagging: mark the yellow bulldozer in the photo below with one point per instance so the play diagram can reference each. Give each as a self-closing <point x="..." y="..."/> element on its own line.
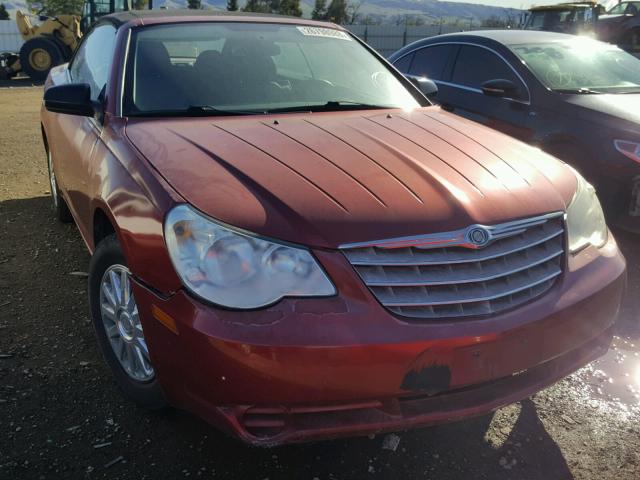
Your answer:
<point x="54" y="39"/>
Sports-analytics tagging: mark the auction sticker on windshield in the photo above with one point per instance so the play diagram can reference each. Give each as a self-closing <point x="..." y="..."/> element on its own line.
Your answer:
<point x="323" y="32"/>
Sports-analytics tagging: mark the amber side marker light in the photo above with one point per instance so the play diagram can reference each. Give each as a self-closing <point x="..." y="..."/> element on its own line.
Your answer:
<point x="165" y="319"/>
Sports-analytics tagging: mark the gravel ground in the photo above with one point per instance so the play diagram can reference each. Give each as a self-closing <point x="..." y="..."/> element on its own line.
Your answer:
<point x="61" y="415"/>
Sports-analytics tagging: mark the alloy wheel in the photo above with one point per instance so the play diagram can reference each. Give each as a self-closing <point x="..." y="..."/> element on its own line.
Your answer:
<point x="122" y="325"/>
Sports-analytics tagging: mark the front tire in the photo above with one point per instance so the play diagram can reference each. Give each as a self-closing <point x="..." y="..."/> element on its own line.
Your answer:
<point x="59" y="205"/>
<point x="117" y="326"/>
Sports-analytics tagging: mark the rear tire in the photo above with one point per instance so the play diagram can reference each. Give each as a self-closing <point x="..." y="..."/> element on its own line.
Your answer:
<point x="39" y="55"/>
<point x="117" y="326"/>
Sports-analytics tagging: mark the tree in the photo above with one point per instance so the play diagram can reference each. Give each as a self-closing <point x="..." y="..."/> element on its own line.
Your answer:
<point x="140" y="4"/>
<point x="337" y="11"/>
<point x="258" y="6"/>
<point x="4" y="15"/>
<point x="232" y="5"/>
<point x="371" y="20"/>
<point x="414" y="20"/>
<point x="289" y="7"/>
<point x="494" y="22"/>
<point x="353" y="14"/>
<point x="194" y="4"/>
<point x="283" y="7"/>
<point x="56" y="7"/>
<point x="319" y="10"/>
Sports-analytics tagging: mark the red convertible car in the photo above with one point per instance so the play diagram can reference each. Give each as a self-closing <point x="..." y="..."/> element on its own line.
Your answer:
<point x="290" y="241"/>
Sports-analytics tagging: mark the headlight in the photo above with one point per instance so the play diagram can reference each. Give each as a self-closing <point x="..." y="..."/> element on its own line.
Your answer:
<point x="585" y="219"/>
<point x="628" y="149"/>
<point x="237" y="270"/>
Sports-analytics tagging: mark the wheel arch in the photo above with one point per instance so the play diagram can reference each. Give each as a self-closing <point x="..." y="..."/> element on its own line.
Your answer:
<point x="103" y="225"/>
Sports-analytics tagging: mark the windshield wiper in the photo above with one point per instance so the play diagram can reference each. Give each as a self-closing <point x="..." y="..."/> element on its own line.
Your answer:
<point x="331" y="106"/>
<point x="212" y="111"/>
<point x="197" y="111"/>
<point x="207" y="110"/>
<point x="578" y="91"/>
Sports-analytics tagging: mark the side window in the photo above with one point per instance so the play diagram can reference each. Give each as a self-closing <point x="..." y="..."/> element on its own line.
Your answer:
<point x="476" y="65"/>
<point x="92" y="61"/>
<point x="404" y="63"/>
<point x="431" y="62"/>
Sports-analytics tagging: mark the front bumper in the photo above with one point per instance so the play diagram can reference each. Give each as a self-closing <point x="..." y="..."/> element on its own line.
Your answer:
<point x="320" y="368"/>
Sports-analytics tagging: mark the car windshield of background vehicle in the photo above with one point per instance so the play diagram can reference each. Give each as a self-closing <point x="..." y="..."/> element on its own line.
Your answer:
<point x="582" y="66"/>
<point x="247" y="68"/>
<point x="625" y="8"/>
<point x="559" y="20"/>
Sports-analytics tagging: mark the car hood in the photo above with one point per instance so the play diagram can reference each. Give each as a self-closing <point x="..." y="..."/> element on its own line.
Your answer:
<point x="621" y="110"/>
<point x="327" y="179"/>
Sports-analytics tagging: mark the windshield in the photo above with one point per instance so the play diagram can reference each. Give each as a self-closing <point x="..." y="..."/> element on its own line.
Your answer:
<point x="626" y="8"/>
<point x="558" y="20"/>
<point x="582" y="65"/>
<point x="244" y="68"/>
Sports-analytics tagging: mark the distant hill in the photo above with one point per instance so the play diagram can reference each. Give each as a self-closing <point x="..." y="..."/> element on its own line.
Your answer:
<point x="385" y="11"/>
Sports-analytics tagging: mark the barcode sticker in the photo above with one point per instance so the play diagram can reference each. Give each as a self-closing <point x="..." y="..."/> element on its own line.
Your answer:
<point x="324" y="32"/>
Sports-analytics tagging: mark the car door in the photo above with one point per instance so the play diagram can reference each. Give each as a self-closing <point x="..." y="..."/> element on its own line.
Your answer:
<point x="76" y="136"/>
<point x="473" y="66"/>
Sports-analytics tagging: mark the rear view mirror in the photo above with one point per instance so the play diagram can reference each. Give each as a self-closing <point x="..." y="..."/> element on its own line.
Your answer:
<point x="428" y="87"/>
<point x="71" y="99"/>
<point x="501" y="88"/>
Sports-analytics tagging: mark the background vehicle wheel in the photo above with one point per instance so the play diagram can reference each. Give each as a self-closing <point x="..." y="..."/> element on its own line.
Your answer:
<point x="117" y="326"/>
<point x="39" y="55"/>
<point x="59" y="205"/>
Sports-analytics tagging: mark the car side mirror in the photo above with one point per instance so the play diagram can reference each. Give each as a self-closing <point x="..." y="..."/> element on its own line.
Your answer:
<point x="501" y="88"/>
<point x="71" y="99"/>
<point x="428" y="87"/>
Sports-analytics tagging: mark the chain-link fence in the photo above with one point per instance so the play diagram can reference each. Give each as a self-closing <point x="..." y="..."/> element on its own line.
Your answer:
<point x="386" y="39"/>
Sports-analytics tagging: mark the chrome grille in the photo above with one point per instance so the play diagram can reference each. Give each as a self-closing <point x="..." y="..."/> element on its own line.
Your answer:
<point x="420" y="278"/>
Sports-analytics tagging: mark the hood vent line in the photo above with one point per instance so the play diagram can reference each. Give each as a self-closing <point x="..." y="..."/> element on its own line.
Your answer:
<point x="541" y="172"/>
<point x="467" y="179"/>
<point x="308" y="180"/>
<point x="362" y="185"/>
<point x="389" y="172"/>
<point x="466" y="154"/>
